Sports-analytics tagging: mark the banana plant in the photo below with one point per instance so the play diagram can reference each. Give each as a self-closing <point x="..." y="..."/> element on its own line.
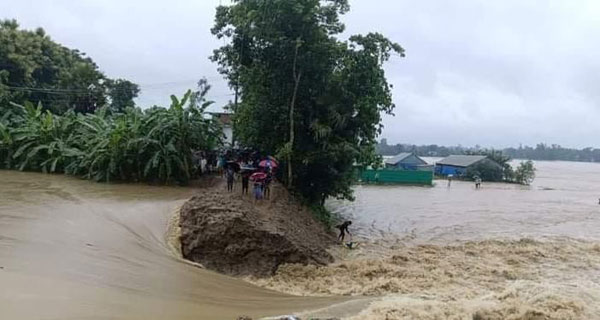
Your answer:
<point x="153" y="145"/>
<point x="42" y="140"/>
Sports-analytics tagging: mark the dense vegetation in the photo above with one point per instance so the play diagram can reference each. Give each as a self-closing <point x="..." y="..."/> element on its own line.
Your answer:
<point x="153" y="145"/>
<point x="540" y="152"/>
<point x="35" y="68"/>
<point x="554" y="152"/>
<point x="312" y="99"/>
<point x="59" y="113"/>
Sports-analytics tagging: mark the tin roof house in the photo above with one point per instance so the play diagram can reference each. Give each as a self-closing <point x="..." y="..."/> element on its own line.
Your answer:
<point x="457" y="165"/>
<point x="405" y="161"/>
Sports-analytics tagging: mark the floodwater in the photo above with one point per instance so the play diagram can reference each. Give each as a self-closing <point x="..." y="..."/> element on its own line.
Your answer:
<point x="562" y="201"/>
<point x="74" y="249"/>
<point x="453" y="252"/>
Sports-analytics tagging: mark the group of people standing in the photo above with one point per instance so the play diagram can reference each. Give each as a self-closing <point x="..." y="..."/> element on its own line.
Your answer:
<point x="249" y="169"/>
<point x="476" y="179"/>
<point x="204" y="162"/>
<point x="260" y="171"/>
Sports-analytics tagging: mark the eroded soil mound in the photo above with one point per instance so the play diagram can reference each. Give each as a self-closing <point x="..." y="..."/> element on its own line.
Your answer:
<point x="229" y="234"/>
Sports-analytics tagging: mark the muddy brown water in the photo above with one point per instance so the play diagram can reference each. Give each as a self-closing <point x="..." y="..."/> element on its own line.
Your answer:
<point x="502" y="252"/>
<point x="74" y="249"/>
<point x="561" y="202"/>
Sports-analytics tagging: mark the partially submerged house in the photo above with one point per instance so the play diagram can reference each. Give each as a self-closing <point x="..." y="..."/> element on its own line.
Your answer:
<point x="406" y="161"/>
<point x="457" y="165"/>
<point x="404" y="168"/>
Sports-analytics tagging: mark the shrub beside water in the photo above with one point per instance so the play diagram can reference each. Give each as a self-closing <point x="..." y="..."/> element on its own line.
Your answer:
<point x="152" y="145"/>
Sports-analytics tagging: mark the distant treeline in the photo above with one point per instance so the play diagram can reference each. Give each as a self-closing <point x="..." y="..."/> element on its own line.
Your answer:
<point x="540" y="152"/>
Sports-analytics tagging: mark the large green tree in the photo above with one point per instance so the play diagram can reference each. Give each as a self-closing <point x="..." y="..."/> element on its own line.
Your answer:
<point x="313" y="99"/>
<point x="35" y="68"/>
<point x="121" y="93"/>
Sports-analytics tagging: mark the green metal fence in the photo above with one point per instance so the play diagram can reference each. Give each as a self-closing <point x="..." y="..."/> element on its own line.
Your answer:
<point x="396" y="177"/>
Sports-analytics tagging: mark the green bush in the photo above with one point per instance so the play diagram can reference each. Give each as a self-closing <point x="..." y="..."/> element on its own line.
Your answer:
<point x="322" y="214"/>
<point x="525" y="173"/>
<point x="153" y="145"/>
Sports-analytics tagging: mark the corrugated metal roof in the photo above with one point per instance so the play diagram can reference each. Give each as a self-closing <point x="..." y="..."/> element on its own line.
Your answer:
<point x="461" y="160"/>
<point x="397" y="158"/>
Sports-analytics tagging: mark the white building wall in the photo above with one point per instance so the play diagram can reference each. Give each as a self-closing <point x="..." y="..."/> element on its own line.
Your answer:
<point x="228" y="132"/>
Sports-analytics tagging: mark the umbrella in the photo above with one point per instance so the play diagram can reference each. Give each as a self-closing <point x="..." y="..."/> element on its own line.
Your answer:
<point x="257" y="176"/>
<point x="269" y="162"/>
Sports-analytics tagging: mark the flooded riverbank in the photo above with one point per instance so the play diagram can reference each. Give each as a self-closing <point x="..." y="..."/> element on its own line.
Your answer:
<point x="503" y="252"/>
<point x="562" y="201"/>
<point x="72" y="249"/>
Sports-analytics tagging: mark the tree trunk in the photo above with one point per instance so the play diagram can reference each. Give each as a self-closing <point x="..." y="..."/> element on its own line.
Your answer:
<point x="235" y="109"/>
<point x="297" y="77"/>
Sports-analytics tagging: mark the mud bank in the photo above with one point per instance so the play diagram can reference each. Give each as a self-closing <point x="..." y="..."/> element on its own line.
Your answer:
<point x="493" y="280"/>
<point x="227" y="233"/>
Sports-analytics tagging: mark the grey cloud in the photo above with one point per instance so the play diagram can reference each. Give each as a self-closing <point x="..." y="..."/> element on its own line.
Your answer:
<point x="493" y="73"/>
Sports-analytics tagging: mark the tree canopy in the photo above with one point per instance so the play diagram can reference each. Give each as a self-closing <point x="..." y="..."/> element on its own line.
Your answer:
<point x="310" y="98"/>
<point x="60" y="113"/>
<point x="121" y="93"/>
<point x="525" y="172"/>
<point x="35" y="68"/>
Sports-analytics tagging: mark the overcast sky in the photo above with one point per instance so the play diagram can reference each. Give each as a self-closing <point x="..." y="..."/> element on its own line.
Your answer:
<point x="493" y="73"/>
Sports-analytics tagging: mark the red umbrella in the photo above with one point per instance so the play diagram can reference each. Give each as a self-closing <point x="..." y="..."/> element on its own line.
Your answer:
<point x="269" y="162"/>
<point x="257" y="176"/>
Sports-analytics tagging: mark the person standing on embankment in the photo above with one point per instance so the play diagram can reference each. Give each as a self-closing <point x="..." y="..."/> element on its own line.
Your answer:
<point x="230" y="177"/>
<point x="245" y="182"/>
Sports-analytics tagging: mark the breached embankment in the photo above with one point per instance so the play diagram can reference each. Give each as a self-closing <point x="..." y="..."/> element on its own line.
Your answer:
<point x="227" y="233"/>
<point x="492" y="280"/>
<point x="557" y="278"/>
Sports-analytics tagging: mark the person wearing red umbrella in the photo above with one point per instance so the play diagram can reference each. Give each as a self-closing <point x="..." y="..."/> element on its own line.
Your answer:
<point x="258" y="178"/>
<point x="257" y="191"/>
<point x="269" y="163"/>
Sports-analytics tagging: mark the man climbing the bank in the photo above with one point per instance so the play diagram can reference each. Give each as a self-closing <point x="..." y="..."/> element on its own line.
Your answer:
<point x="343" y="230"/>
